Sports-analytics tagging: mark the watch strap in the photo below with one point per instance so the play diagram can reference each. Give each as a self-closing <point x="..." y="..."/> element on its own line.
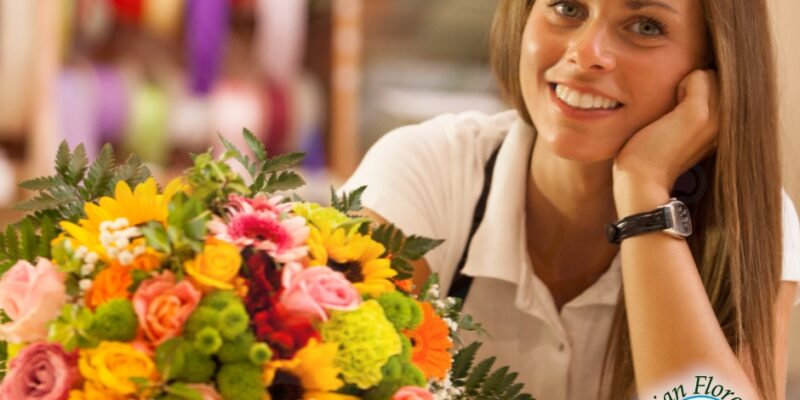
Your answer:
<point x="651" y="221"/>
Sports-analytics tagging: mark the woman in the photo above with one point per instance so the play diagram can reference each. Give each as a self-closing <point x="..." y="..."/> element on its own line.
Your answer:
<point x="615" y="100"/>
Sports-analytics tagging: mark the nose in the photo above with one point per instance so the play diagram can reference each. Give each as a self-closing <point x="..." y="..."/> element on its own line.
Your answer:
<point x="590" y="49"/>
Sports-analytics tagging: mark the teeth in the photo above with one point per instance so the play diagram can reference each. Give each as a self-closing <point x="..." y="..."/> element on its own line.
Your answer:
<point x="584" y="101"/>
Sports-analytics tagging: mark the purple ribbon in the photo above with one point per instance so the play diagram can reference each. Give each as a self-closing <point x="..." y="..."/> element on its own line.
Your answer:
<point x="112" y="105"/>
<point x="206" y="31"/>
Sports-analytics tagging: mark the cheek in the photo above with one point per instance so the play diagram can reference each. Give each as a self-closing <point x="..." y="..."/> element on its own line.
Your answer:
<point x="653" y="83"/>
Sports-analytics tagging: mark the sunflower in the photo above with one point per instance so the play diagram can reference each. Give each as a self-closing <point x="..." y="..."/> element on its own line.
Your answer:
<point x="356" y="256"/>
<point x="310" y="375"/>
<point x="126" y="209"/>
<point x="431" y="344"/>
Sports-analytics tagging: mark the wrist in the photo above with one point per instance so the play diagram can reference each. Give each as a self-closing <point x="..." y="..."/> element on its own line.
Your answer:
<point x="633" y="195"/>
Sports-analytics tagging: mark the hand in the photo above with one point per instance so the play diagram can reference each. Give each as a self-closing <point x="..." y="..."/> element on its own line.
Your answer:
<point x="660" y="152"/>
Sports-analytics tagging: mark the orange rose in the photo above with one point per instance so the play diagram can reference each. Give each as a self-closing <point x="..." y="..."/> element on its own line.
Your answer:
<point x="110" y="283"/>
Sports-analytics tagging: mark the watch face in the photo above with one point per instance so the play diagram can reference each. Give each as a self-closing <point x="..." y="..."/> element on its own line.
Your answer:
<point x="681" y="221"/>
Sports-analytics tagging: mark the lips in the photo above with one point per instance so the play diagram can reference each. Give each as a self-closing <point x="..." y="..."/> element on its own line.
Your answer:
<point x="581" y="104"/>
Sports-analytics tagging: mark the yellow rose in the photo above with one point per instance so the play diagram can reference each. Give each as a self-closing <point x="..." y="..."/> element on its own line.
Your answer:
<point x="112" y="364"/>
<point x="93" y="391"/>
<point x="216" y="267"/>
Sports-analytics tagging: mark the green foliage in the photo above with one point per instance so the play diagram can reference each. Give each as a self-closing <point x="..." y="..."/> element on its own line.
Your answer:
<point x="348" y="202"/>
<point x="269" y="174"/>
<point x="72" y="328"/>
<point x="402" y="311"/>
<point x="197" y="367"/>
<point x="77" y="181"/>
<point x="402" y="249"/>
<point x="237" y="349"/>
<point x="480" y="382"/>
<point x="179" y="391"/>
<point x="213" y="180"/>
<point x="21" y="241"/>
<point x="170" y="358"/>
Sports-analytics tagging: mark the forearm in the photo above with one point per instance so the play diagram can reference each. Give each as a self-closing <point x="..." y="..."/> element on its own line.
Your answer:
<point x="674" y="332"/>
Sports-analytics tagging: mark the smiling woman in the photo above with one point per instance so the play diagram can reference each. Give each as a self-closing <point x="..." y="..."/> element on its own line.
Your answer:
<point x="615" y="100"/>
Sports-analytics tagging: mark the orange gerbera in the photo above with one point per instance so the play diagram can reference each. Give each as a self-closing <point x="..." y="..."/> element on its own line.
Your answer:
<point x="431" y="344"/>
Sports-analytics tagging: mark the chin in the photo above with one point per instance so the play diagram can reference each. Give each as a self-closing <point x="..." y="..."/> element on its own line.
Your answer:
<point x="577" y="148"/>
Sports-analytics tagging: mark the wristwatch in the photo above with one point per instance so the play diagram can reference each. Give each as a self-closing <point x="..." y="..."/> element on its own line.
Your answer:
<point x="672" y="218"/>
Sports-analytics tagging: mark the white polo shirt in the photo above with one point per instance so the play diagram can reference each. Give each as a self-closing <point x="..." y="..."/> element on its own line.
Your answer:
<point x="427" y="178"/>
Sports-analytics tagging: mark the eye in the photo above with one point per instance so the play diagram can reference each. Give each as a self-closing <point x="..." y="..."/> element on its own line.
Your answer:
<point x="649" y="28"/>
<point x="567" y="9"/>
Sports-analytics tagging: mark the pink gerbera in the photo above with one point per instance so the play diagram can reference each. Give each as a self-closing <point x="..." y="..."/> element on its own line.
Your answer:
<point x="264" y="224"/>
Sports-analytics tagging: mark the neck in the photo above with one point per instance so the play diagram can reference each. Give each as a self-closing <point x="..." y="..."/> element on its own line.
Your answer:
<point x="567" y="205"/>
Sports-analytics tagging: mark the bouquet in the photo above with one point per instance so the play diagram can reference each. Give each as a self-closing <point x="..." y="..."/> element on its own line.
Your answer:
<point x="219" y="287"/>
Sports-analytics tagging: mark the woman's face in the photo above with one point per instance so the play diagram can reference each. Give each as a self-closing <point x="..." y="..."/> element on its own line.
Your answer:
<point x="594" y="72"/>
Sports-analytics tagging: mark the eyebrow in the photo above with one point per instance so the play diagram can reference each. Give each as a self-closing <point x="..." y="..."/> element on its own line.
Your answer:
<point x="639" y="4"/>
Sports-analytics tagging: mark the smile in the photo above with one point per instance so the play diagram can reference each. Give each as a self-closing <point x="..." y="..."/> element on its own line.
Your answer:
<point x="584" y="101"/>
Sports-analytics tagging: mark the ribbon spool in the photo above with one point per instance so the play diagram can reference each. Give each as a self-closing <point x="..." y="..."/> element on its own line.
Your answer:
<point x="112" y="105"/>
<point x="128" y="11"/>
<point x="76" y="105"/>
<point x="206" y="31"/>
<point x="280" y="37"/>
<point x="163" y="17"/>
<point x="18" y="31"/>
<point x="277" y="118"/>
<point x="235" y="105"/>
<point x="190" y="122"/>
<point x="94" y="20"/>
<point x="146" y="133"/>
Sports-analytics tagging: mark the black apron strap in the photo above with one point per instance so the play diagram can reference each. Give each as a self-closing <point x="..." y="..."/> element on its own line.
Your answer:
<point x="461" y="283"/>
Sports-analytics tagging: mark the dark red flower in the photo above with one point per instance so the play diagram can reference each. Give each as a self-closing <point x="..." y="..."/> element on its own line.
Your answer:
<point x="285" y="332"/>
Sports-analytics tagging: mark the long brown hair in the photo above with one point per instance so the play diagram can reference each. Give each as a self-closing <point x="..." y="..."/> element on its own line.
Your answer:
<point x="737" y="244"/>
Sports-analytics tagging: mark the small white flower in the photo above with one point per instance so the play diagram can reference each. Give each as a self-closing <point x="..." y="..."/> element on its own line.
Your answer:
<point x="85" y="284"/>
<point x="91" y="257"/>
<point x="125" y="257"/>
<point x="106" y="238"/>
<point x="138" y="250"/>
<point x="131" y="232"/>
<point x="105" y="225"/>
<point x="80" y="252"/>
<point x="112" y="252"/>
<point x="121" y="242"/>
<point x="120" y="223"/>
<point x="87" y="269"/>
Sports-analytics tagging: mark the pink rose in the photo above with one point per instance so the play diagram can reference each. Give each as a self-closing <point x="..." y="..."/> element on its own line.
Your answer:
<point x="312" y="290"/>
<point x="206" y="392"/>
<point x="41" y="371"/>
<point x="31" y="296"/>
<point x="412" y="393"/>
<point x="163" y="306"/>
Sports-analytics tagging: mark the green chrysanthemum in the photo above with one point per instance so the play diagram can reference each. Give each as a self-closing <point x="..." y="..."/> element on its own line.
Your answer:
<point x="240" y="381"/>
<point x="367" y="340"/>
<point x="402" y="311"/>
<point x="115" y="321"/>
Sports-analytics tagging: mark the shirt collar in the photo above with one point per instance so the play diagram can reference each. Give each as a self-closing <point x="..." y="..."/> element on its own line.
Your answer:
<point x="498" y="248"/>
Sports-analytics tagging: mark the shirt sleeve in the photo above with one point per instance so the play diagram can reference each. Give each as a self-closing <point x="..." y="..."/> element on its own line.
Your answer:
<point x="791" y="244"/>
<point x="406" y="174"/>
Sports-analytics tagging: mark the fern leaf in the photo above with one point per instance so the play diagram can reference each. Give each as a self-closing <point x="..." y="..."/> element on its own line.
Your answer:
<point x="493" y="384"/>
<point x="42" y="183"/>
<point x="478" y="375"/>
<point x="47" y="232"/>
<point x="512" y="390"/>
<point x="78" y="163"/>
<point x="238" y="156"/>
<point x="41" y="202"/>
<point x="349" y="202"/>
<point x="462" y="362"/>
<point x="62" y="159"/>
<point x="28" y="240"/>
<point x="255" y="145"/>
<point x="282" y="162"/>
<point x="133" y="172"/>
<point x="100" y="174"/>
<point x="12" y="244"/>
<point x="286" y="180"/>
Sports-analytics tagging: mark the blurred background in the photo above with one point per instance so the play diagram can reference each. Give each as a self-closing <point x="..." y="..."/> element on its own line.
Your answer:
<point x="327" y="77"/>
